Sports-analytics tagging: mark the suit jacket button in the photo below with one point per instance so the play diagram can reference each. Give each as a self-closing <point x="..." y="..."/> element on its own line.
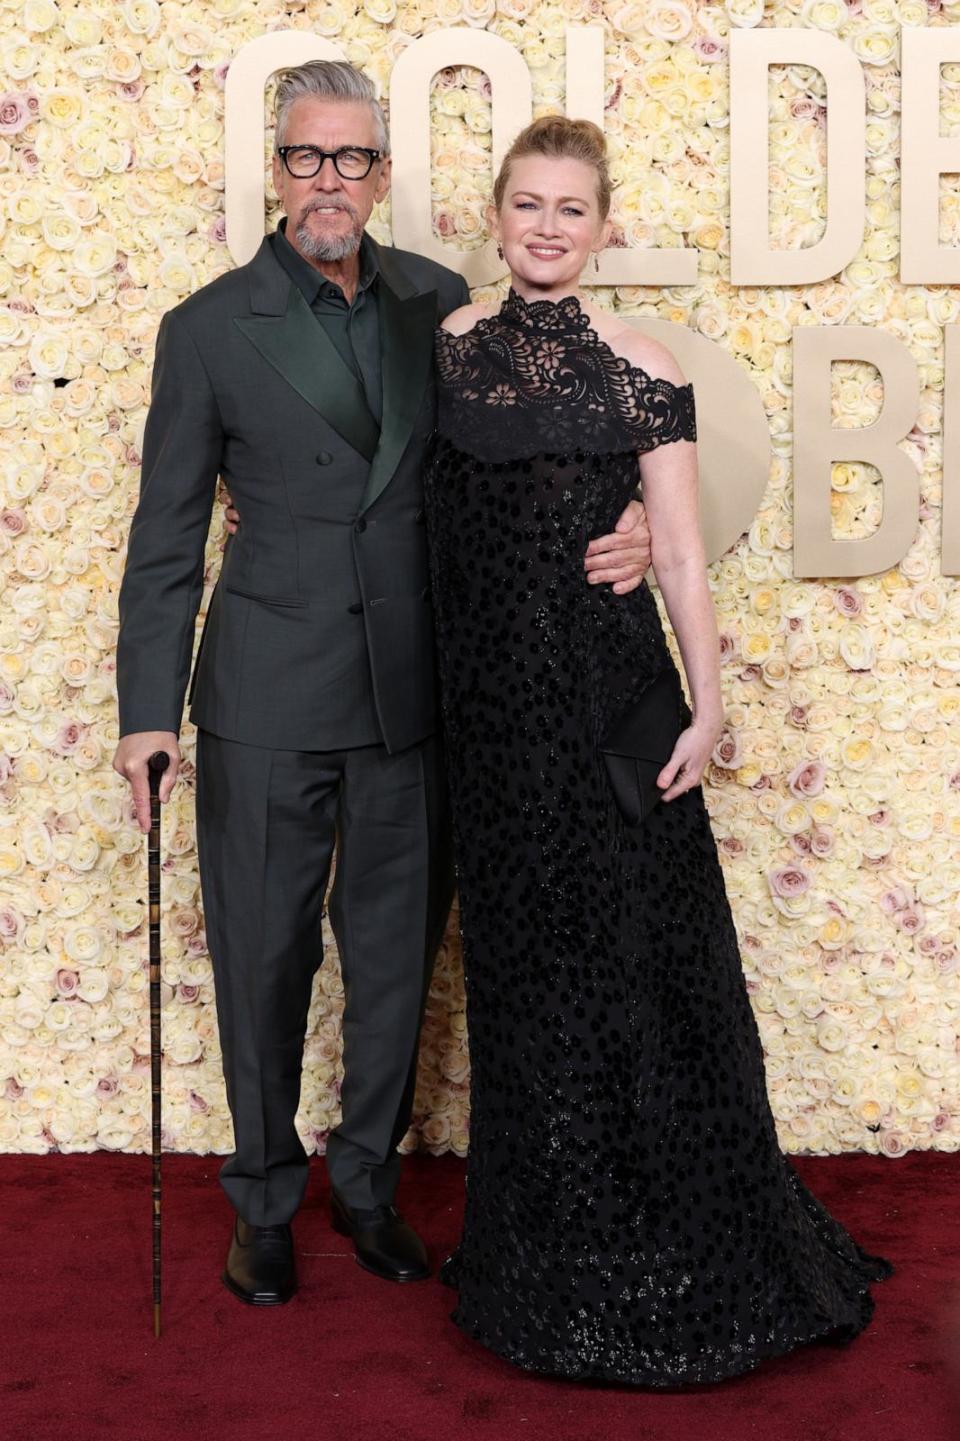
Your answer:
<point x="356" y="608"/>
<point x="324" y="458"/>
<point x="360" y="526"/>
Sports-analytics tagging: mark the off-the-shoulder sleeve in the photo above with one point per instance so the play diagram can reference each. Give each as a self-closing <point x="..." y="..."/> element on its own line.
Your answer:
<point x="653" y="411"/>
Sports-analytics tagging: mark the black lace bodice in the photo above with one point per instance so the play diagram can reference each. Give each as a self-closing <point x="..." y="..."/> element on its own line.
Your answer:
<point x="537" y="377"/>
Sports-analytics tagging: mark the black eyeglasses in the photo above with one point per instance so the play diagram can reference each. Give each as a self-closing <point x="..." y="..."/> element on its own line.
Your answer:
<point x="352" y="162"/>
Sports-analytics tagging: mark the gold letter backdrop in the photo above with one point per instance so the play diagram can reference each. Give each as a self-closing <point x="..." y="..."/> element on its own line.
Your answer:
<point x="834" y="789"/>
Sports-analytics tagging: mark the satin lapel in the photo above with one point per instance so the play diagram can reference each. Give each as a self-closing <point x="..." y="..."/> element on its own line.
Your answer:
<point x="298" y="347"/>
<point x="406" y="355"/>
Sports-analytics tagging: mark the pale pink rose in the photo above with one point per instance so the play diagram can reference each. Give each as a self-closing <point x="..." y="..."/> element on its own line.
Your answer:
<point x="198" y="1104"/>
<point x="6" y="766"/>
<point x="751" y="672"/>
<point x="13" y="522"/>
<point x="197" y="944"/>
<point x="131" y="89"/>
<point x="66" y="982"/>
<point x="807" y="778"/>
<point x="894" y="900"/>
<point x="22" y="307"/>
<point x="801" y="843"/>
<point x="132" y="455"/>
<point x="882" y="817"/>
<point x="13" y="1089"/>
<point x="929" y="945"/>
<point x="220" y="73"/>
<point x="728" y="752"/>
<point x="320" y="1142"/>
<point x="217" y="231"/>
<point x="23" y="383"/>
<point x="183" y="921"/>
<point x="11" y="923"/>
<point x="762" y="783"/>
<point x="911" y="919"/>
<point x="803" y="108"/>
<point x="794" y="622"/>
<point x="731" y="846"/>
<point x="788" y="881"/>
<point x="941" y="1121"/>
<point x="708" y="48"/>
<point x="947" y="962"/>
<point x="188" y="995"/>
<point x="848" y="601"/>
<point x="107" y="1086"/>
<point x="68" y="737"/>
<point x="444" y="224"/>
<point x="29" y="161"/>
<point x="7" y="697"/>
<point x="16" y="113"/>
<point x="891" y="1144"/>
<point x="955" y="781"/>
<point x="728" y="646"/>
<point x="821" y="840"/>
<point x="798" y="716"/>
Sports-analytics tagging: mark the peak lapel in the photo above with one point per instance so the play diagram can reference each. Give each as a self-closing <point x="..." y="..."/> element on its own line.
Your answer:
<point x="406" y="357"/>
<point x="291" y="339"/>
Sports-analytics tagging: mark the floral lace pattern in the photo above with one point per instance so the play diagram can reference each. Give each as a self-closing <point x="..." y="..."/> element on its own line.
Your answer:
<point x="537" y="377"/>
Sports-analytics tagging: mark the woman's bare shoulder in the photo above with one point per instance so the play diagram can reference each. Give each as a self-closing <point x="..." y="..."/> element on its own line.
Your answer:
<point x="458" y="322"/>
<point x="646" y="354"/>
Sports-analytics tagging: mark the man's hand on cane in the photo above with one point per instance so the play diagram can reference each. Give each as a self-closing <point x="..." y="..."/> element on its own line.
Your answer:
<point x="130" y="761"/>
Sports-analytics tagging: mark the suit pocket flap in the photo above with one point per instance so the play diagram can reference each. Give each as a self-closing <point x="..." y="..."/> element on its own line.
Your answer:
<point x="288" y="600"/>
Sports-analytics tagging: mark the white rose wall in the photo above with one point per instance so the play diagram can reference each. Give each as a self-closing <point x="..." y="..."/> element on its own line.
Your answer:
<point x="834" y="791"/>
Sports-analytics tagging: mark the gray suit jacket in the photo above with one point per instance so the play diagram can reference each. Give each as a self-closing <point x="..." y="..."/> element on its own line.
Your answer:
<point x="314" y="591"/>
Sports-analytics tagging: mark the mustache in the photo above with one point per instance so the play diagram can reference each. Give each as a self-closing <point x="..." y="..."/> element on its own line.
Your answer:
<point x="313" y="205"/>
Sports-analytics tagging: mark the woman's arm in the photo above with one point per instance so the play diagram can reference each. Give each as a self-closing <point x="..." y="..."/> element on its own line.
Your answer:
<point x="671" y="497"/>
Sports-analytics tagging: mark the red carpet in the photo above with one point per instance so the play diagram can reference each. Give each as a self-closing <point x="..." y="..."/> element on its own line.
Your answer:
<point x="355" y="1359"/>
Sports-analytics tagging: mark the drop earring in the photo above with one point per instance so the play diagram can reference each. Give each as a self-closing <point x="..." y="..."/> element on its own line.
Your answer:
<point x="596" y="262"/>
<point x="500" y="251"/>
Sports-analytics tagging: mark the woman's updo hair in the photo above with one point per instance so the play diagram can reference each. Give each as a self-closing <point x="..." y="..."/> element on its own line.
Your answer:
<point x="556" y="136"/>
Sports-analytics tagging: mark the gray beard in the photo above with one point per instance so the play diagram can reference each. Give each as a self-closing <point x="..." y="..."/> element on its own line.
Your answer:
<point x="333" y="247"/>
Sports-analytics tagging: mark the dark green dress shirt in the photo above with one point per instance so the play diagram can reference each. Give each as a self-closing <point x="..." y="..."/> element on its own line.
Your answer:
<point x="354" y="328"/>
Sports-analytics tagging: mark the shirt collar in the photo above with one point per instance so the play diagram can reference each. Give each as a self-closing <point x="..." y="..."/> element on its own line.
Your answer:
<point x="307" y="278"/>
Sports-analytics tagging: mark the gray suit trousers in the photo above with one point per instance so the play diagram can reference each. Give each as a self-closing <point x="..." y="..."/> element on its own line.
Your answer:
<point x="267" y="823"/>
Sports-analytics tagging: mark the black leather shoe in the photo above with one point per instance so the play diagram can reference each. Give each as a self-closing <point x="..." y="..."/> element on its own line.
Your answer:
<point x="385" y="1245"/>
<point x="260" y="1266"/>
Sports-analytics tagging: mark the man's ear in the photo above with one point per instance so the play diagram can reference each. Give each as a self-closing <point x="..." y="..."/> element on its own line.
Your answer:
<point x="383" y="180"/>
<point x="277" y="175"/>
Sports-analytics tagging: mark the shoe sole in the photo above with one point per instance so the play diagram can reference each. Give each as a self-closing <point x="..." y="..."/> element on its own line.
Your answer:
<point x="255" y="1300"/>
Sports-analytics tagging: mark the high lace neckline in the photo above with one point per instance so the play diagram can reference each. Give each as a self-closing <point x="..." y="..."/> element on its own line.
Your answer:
<point x="566" y="315"/>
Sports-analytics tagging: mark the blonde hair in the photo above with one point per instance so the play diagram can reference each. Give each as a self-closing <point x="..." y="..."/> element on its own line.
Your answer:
<point x="555" y="135"/>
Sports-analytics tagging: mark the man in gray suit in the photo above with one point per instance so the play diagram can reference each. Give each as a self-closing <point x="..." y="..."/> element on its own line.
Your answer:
<point x="304" y="379"/>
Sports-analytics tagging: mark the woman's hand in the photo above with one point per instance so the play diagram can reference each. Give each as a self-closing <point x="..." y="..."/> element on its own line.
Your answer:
<point x="231" y="514"/>
<point x="693" y="749"/>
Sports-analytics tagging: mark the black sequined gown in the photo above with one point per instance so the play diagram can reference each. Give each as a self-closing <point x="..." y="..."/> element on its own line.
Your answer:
<point x="629" y="1213"/>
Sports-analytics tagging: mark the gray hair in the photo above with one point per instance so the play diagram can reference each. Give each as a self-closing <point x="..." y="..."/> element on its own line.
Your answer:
<point x="328" y="80"/>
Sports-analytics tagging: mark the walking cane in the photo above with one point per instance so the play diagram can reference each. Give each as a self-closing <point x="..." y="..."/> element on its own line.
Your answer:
<point x="156" y="766"/>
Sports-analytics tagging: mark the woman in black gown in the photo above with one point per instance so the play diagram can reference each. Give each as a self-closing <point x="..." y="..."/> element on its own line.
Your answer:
<point x="629" y="1214"/>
